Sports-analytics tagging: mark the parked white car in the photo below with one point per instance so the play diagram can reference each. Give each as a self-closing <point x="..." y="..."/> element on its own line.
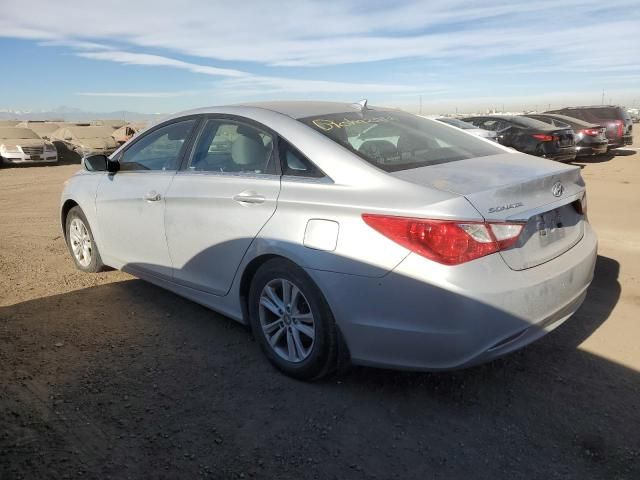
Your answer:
<point x="23" y="145"/>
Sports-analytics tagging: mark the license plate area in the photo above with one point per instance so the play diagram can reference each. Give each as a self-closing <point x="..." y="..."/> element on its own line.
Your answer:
<point x="550" y="226"/>
<point x="545" y="236"/>
<point x="36" y="157"/>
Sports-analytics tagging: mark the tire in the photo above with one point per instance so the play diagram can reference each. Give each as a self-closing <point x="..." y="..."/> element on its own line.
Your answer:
<point x="80" y="238"/>
<point x="295" y="352"/>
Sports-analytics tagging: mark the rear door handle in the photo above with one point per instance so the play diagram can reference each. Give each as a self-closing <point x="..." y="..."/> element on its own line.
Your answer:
<point x="152" y="196"/>
<point x="249" y="198"/>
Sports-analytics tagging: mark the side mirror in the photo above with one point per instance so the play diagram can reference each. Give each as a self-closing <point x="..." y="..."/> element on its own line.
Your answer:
<point x="100" y="163"/>
<point x="112" y="166"/>
<point x="96" y="163"/>
<point x="67" y="139"/>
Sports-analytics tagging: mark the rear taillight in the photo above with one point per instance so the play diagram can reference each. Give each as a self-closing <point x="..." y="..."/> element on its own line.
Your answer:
<point x="444" y="241"/>
<point x="619" y="126"/>
<point x="592" y="132"/>
<point x="581" y="205"/>
<point x="544" y="138"/>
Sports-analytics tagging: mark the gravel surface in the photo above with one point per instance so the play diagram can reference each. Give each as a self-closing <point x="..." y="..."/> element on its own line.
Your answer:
<point x="106" y="376"/>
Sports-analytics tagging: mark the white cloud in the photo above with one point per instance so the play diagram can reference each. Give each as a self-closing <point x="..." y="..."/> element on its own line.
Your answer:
<point x="314" y="33"/>
<point x="237" y="80"/>
<point x="129" y="58"/>
<point x="275" y="41"/>
<point x="182" y="93"/>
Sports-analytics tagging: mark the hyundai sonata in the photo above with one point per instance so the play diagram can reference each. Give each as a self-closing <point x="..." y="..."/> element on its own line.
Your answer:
<point x="341" y="231"/>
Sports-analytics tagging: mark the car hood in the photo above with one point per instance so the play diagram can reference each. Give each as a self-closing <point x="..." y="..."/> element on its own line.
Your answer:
<point x="22" y="142"/>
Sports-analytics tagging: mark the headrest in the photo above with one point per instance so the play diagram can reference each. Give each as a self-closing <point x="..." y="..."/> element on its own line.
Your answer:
<point x="248" y="151"/>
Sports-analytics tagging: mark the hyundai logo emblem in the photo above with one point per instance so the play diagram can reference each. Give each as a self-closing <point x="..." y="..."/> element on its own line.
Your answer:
<point x="557" y="189"/>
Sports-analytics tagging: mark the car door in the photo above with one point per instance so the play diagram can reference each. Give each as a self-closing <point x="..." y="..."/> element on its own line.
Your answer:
<point x="219" y="201"/>
<point x="130" y="204"/>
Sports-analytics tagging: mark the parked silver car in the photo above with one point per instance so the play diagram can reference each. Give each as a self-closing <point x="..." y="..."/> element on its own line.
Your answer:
<point x="419" y="247"/>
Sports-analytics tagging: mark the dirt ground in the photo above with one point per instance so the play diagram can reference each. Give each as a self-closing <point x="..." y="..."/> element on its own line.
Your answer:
<point x="106" y="376"/>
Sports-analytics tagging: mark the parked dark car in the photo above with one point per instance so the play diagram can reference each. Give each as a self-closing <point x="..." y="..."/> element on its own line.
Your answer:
<point x="590" y="138"/>
<point x="530" y="136"/>
<point x="616" y="120"/>
<point x="469" y="128"/>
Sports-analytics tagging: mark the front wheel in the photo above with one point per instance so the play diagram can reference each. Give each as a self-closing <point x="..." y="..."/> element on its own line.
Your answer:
<point x="292" y="321"/>
<point x="81" y="243"/>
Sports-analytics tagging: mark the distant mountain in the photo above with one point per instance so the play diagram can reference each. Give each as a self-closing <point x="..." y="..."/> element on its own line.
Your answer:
<point x="69" y="114"/>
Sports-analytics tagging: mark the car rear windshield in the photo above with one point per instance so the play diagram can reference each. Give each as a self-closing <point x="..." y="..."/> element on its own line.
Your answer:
<point x="454" y="122"/>
<point x="531" y="123"/>
<point x="594" y="114"/>
<point x="394" y="141"/>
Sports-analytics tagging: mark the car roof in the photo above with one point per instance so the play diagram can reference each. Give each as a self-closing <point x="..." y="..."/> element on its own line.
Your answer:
<point x="293" y="109"/>
<point x="590" y="106"/>
<point x="563" y="118"/>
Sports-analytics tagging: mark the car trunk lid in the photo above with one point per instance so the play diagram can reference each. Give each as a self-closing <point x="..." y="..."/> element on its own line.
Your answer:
<point x="541" y="194"/>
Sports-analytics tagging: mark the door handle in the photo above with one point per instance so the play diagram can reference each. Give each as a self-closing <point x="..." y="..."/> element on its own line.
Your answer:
<point x="152" y="196"/>
<point x="249" y="198"/>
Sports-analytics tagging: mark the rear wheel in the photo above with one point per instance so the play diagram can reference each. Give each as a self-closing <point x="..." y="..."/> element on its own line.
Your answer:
<point x="292" y="321"/>
<point x="81" y="243"/>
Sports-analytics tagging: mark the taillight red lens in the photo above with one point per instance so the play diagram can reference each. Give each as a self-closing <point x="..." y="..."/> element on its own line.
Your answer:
<point x="619" y="127"/>
<point x="592" y="132"/>
<point x="542" y="137"/>
<point x="444" y="241"/>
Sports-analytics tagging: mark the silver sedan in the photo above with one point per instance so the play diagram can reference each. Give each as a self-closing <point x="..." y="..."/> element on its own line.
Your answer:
<point x="341" y="231"/>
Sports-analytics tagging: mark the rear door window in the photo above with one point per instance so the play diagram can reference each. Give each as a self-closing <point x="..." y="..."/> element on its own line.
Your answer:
<point x="233" y="147"/>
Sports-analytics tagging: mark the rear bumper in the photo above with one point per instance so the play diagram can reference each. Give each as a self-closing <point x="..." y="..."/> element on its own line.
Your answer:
<point x="589" y="150"/>
<point x="620" y="141"/>
<point x="426" y="316"/>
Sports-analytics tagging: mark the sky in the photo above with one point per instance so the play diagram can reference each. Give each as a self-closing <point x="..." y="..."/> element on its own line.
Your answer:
<point x="156" y="56"/>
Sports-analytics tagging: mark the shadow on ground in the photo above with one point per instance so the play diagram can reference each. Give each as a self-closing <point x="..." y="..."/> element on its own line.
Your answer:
<point x="128" y="380"/>
<point x="610" y="155"/>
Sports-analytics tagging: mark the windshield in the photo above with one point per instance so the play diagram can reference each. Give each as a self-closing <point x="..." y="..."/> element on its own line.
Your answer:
<point x="454" y="122"/>
<point x="17" y="133"/>
<point x="394" y="141"/>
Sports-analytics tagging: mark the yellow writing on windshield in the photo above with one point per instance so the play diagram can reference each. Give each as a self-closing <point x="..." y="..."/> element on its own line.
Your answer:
<point x="328" y="125"/>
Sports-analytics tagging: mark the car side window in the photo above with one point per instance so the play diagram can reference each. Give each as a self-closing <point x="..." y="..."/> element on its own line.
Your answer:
<point x="159" y="150"/>
<point x="234" y="147"/>
<point x="294" y="163"/>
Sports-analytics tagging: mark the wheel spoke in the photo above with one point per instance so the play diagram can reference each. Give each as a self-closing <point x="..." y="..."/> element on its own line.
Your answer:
<point x="286" y="292"/>
<point x="305" y="330"/>
<point x="303" y="317"/>
<point x="277" y="301"/>
<point x="291" y="347"/>
<point x="276" y="336"/>
<point x="295" y="333"/>
<point x="269" y="305"/>
<point x="76" y="248"/>
<point x="294" y="298"/>
<point x="269" y="328"/>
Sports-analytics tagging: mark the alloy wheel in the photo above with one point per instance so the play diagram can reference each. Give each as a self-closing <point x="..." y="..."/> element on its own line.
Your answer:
<point x="80" y="242"/>
<point x="286" y="320"/>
